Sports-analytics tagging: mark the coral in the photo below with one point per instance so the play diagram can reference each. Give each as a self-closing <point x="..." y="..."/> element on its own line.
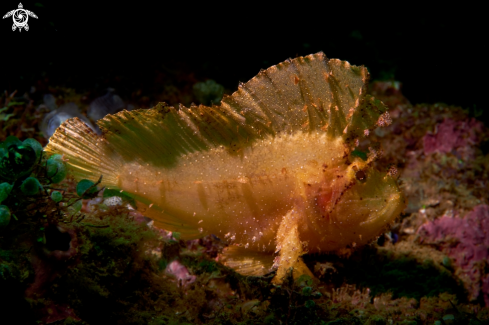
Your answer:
<point x="110" y="103"/>
<point x="466" y="241"/>
<point x="5" y="189"/>
<point x="4" y="215"/>
<point x="208" y="92"/>
<point x="18" y="117"/>
<point x="453" y="135"/>
<point x="31" y="186"/>
<point x="438" y="178"/>
<point x="180" y="272"/>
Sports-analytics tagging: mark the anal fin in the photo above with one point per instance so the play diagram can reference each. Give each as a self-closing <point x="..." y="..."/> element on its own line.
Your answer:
<point x="165" y="221"/>
<point x="247" y="262"/>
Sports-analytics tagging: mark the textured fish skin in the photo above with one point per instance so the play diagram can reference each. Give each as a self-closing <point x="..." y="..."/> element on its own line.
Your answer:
<point x="270" y="169"/>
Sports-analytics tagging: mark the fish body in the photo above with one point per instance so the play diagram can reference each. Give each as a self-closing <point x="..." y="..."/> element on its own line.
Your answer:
<point x="238" y="197"/>
<point x="271" y="169"/>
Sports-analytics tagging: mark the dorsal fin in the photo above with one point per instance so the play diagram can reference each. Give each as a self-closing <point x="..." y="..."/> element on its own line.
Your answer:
<point x="308" y="94"/>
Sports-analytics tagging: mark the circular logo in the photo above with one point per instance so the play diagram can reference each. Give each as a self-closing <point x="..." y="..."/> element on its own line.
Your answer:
<point x="20" y="17"/>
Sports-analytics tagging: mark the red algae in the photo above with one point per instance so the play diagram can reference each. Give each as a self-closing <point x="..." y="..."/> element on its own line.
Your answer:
<point x="453" y="135"/>
<point x="466" y="241"/>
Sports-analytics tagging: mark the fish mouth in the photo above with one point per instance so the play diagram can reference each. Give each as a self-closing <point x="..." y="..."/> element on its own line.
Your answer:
<point x="395" y="205"/>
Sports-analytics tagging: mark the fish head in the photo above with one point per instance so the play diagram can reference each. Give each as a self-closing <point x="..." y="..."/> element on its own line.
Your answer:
<point x="351" y="205"/>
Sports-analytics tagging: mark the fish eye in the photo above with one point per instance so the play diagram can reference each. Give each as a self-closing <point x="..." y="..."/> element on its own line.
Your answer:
<point x="360" y="175"/>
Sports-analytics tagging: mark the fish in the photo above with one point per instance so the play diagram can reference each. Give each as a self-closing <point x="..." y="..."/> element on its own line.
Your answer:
<point x="274" y="169"/>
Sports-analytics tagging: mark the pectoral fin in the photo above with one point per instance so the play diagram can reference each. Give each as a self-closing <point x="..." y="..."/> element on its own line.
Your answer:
<point x="291" y="248"/>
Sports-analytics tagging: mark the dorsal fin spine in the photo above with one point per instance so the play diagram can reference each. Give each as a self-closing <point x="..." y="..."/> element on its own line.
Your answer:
<point x="329" y="98"/>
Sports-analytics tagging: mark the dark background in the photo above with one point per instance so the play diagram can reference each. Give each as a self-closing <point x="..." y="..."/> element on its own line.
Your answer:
<point x="437" y="53"/>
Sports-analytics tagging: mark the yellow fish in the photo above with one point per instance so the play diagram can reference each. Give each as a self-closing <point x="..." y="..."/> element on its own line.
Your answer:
<point x="270" y="169"/>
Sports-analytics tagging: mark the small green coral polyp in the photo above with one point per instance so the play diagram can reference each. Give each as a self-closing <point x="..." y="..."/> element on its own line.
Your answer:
<point x="56" y="169"/>
<point x="56" y="196"/>
<point x="5" y="189"/>
<point x="18" y="158"/>
<point x="85" y="188"/>
<point x="17" y="161"/>
<point x="4" y="215"/>
<point x="36" y="146"/>
<point x="30" y="186"/>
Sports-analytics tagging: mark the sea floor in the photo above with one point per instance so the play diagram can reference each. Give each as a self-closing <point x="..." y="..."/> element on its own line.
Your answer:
<point x="107" y="265"/>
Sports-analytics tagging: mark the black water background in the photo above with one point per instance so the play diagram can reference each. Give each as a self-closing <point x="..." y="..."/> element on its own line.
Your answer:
<point x="439" y="53"/>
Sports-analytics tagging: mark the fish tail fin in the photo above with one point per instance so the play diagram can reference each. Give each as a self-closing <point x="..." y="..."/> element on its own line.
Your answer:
<point x="88" y="154"/>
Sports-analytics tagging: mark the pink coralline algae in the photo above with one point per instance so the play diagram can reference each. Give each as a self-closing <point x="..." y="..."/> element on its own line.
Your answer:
<point x="466" y="242"/>
<point x="180" y="272"/>
<point x="451" y="135"/>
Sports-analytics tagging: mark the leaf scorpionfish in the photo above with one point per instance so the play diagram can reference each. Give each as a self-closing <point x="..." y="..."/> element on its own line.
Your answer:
<point x="270" y="169"/>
